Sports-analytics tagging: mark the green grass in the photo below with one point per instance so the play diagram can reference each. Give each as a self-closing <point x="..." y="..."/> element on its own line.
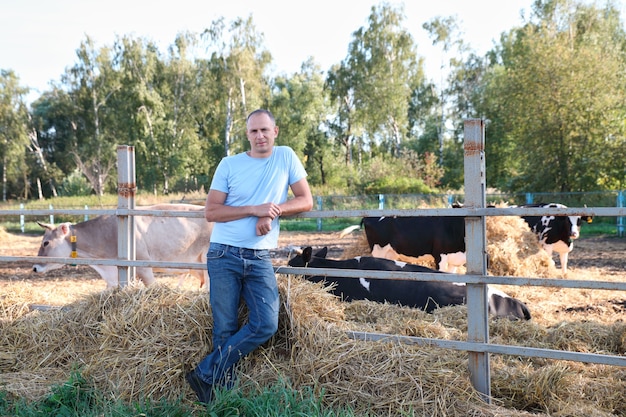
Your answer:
<point x="78" y="398"/>
<point x="599" y="228"/>
<point x="313" y="225"/>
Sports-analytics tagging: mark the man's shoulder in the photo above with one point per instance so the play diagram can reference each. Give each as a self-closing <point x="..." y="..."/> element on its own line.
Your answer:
<point x="283" y="150"/>
<point x="229" y="158"/>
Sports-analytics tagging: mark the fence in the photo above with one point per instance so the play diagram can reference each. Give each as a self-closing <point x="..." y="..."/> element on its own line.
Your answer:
<point x="478" y="346"/>
<point x="612" y="198"/>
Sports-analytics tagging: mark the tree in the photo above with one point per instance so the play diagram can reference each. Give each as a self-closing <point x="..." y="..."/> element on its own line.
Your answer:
<point x="54" y="128"/>
<point x="238" y="64"/>
<point x="159" y="98"/>
<point x="381" y="71"/>
<point x="556" y="98"/>
<point x="300" y="105"/>
<point x="91" y="82"/>
<point x="13" y="133"/>
<point x="443" y="31"/>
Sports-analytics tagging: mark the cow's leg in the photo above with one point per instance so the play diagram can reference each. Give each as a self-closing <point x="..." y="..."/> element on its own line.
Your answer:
<point x="146" y="276"/>
<point x="456" y="260"/>
<point x="444" y="264"/>
<point x="451" y="261"/>
<point x="563" y="257"/>
<point x="439" y="261"/>
<point x="108" y="274"/>
<point x="548" y="248"/>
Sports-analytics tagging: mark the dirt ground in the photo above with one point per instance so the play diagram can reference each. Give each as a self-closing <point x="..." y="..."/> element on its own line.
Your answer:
<point x="608" y="253"/>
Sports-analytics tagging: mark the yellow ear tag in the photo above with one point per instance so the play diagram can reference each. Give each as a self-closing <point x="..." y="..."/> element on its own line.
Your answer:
<point x="73" y="254"/>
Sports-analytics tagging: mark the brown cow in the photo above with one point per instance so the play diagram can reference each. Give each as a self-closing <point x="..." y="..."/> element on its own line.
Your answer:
<point x="167" y="239"/>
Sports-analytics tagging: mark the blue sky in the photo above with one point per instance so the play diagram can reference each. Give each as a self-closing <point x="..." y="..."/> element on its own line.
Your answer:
<point x="38" y="38"/>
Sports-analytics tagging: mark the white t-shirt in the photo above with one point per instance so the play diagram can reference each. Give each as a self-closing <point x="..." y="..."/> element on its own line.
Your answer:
<point x="252" y="181"/>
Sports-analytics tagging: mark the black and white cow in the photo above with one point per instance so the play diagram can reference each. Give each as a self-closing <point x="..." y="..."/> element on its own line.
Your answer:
<point x="425" y="295"/>
<point x="556" y="233"/>
<point x="440" y="236"/>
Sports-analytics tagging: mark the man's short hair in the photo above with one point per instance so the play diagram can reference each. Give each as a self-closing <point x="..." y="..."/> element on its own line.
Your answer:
<point x="262" y="111"/>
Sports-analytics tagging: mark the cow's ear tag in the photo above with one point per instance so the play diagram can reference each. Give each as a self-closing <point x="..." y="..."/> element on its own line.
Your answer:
<point x="589" y="219"/>
<point x="74" y="253"/>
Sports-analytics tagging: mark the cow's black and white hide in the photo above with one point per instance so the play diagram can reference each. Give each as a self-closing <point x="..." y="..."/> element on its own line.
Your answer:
<point x="556" y="233"/>
<point x="439" y="236"/>
<point x="425" y="295"/>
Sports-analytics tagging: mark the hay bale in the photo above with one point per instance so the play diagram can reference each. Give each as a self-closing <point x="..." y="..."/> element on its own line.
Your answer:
<point x="132" y="342"/>
<point x="361" y="248"/>
<point x="512" y="248"/>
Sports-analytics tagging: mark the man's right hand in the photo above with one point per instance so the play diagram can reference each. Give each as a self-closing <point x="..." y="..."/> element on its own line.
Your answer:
<point x="263" y="226"/>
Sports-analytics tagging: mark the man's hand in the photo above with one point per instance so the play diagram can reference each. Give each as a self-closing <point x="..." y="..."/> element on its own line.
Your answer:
<point x="270" y="210"/>
<point x="263" y="226"/>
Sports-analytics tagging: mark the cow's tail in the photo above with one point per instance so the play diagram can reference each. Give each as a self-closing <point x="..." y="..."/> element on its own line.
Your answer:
<point x="349" y="230"/>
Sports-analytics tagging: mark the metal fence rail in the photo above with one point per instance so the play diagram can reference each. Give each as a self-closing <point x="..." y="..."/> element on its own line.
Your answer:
<point x="477" y="345"/>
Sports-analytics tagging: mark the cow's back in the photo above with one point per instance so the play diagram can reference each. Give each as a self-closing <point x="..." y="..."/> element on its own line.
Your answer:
<point x="417" y="236"/>
<point x="410" y="236"/>
<point x="183" y="239"/>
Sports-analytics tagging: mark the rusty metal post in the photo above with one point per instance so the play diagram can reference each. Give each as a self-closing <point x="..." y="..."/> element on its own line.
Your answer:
<point x="126" y="224"/>
<point x="476" y="246"/>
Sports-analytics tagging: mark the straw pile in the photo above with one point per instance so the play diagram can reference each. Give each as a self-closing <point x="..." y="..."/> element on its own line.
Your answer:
<point x="138" y="342"/>
<point x="513" y="250"/>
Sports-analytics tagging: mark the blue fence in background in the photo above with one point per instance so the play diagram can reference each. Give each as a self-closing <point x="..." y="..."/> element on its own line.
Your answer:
<point x="413" y="201"/>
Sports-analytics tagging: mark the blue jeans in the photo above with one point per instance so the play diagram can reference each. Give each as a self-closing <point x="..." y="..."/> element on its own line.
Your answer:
<point x="236" y="273"/>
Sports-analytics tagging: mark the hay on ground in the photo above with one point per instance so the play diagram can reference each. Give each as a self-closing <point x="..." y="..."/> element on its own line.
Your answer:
<point x="137" y="343"/>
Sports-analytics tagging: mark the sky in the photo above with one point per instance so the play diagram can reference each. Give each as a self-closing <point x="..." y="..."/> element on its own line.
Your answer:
<point x="39" y="38"/>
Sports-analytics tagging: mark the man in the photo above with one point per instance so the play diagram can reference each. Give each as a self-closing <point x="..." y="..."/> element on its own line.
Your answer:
<point x="247" y="196"/>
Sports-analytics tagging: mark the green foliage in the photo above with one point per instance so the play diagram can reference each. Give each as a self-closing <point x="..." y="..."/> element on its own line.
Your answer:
<point x="552" y="91"/>
<point x="277" y="400"/>
<point x="392" y="185"/>
<point x="74" y="398"/>
<point x="409" y="174"/>
<point x="13" y="132"/>
<point x="556" y="100"/>
<point x="75" y="185"/>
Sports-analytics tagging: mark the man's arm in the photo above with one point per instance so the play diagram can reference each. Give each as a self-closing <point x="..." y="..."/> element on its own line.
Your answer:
<point x="302" y="200"/>
<point x="216" y="211"/>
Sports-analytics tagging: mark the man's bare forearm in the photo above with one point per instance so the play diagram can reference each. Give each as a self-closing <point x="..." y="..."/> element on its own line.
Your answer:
<point x="296" y="205"/>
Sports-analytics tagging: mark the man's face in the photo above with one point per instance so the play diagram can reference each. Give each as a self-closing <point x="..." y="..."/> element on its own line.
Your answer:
<point x="261" y="133"/>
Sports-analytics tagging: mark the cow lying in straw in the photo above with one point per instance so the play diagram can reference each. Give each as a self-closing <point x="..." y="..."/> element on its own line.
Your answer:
<point x="425" y="295"/>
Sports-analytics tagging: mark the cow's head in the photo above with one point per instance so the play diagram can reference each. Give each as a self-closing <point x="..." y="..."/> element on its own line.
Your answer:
<point x="303" y="258"/>
<point x="571" y="224"/>
<point x="575" y="222"/>
<point x="54" y="244"/>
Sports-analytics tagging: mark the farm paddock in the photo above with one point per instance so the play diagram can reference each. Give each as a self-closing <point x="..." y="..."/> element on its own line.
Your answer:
<point x="138" y="343"/>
